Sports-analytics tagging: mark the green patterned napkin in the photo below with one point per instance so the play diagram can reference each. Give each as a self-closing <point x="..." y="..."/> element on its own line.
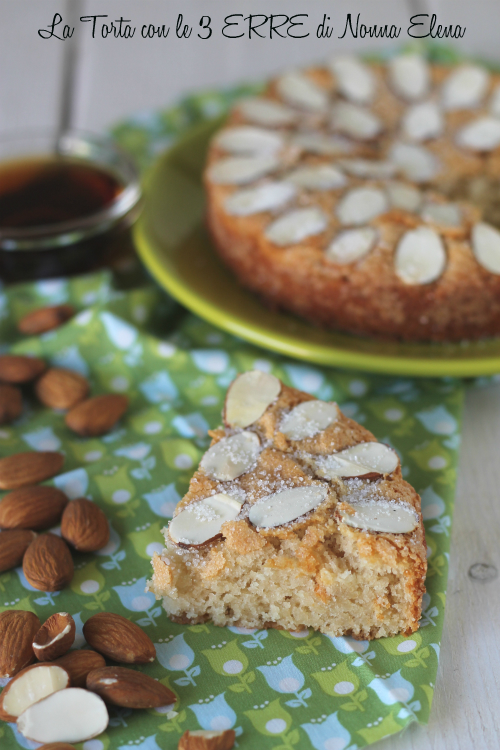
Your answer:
<point x="277" y="689"/>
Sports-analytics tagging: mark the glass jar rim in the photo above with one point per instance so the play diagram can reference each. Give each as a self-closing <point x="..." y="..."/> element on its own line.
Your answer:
<point x="84" y="146"/>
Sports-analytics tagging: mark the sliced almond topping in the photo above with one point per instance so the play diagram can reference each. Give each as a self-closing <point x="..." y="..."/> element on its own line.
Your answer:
<point x="283" y="507"/>
<point x="266" y="112"/>
<point x="317" y="177"/>
<point x="245" y="139"/>
<point x="381" y="515"/>
<point x="465" y="87"/>
<point x="30" y="686"/>
<point x="423" y="121"/>
<point x="420" y="256"/>
<point x="358" y="461"/>
<point x="351" y="245"/>
<point x="295" y="226"/>
<point x="337" y="467"/>
<point x="354" y="79"/>
<point x="361" y="205"/>
<point x="354" y="121"/>
<point x="201" y="522"/>
<point x="415" y="162"/>
<point x="319" y="143"/>
<point x="238" y="170"/>
<point x="300" y="91"/>
<point x="71" y="715"/>
<point x="482" y="134"/>
<point x="266" y="197"/>
<point x="442" y="214"/>
<point x="308" y="418"/>
<point x="404" y="196"/>
<point x="486" y="246"/>
<point x="232" y="456"/>
<point x="409" y="76"/>
<point x="368" y="168"/>
<point x="495" y="102"/>
<point x="249" y="396"/>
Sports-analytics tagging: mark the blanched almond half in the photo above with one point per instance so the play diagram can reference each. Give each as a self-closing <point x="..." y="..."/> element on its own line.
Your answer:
<point x="266" y="112"/>
<point x="351" y="245"/>
<point x="423" y="121"/>
<point x="355" y="80"/>
<point x="409" y="76"/>
<point x="30" y="686"/>
<point x="354" y="121"/>
<point x="361" y="205"/>
<point x="55" y="637"/>
<point x="202" y="521"/>
<point x="381" y="515"/>
<point x="283" y="507"/>
<point x="482" y="134"/>
<point x="374" y="168"/>
<point x="266" y="197"/>
<point x="246" y="139"/>
<point x="315" y="142"/>
<point x="71" y="715"/>
<point x="239" y="170"/>
<point x="248" y="397"/>
<point x="404" y="196"/>
<point x="295" y="226"/>
<point x="465" y="87"/>
<point x="300" y="91"/>
<point x="442" y="214"/>
<point x="420" y="256"/>
<point x="414" y="162"/>
<point x="486" y="246"/>
<point x="308" y="418"/>
<point x="317" y="177"/>
<point x="232" y="456"/>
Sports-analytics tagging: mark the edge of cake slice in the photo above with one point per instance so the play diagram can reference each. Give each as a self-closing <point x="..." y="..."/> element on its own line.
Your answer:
<point x="297" y="517"/>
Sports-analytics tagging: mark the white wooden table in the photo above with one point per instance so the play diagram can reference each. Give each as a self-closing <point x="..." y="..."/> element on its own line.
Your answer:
<point x="115" y="77"/>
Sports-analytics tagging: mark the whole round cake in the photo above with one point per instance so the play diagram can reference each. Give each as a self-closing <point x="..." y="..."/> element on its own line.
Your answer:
<point x="366" y="197"/>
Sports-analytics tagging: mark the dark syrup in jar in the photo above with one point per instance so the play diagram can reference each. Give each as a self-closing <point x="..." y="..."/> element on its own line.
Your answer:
<point x="38" y="192"/>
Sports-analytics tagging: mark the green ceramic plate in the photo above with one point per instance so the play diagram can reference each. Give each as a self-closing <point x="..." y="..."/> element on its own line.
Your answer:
<point x="174" y="245"/>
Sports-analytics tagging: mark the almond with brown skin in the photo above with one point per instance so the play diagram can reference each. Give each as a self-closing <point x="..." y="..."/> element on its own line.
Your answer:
<point x="203" y="739"/>
<point x="29" y="686"/>
<point x="13" y="545"/>
<point x="127" y="688"/>
<point x="11" y="403"/>
<point x="119" y="639"/>
<point x="16" y="368"/>
<point x="84" y="525"/>
<point x="61" y="389"/>
<point x="17" y="628"/>
<point x="47" y="563"/>
<point x="23" y="469"/>
<point x="96" y="415"/>
<point x="55" y="637"/>
<point x="36" y="507"/>
<point x="45" y="319"/>
<point x="79" y="663"/>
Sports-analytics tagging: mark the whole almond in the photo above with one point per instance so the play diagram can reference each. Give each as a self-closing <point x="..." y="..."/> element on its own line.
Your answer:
<point x="33" y="689"/>
<point x="55" y="637"/>
<point x="128" y="688"/>
<point x="23" y="469"/>
<point x="13" y="545"/>
<point x="202" y="739"/>
<point x="119" y="639"/>
<point x="11" y="403"/>
<point x="96" y="415"/>
<point x="16" y="368"/>
<point x="17" y="628"/>
<point x="47" y="563"/>
<point x="45" y="319"/>
<point x="61" y="389"/>
<point x="84" y="525"/>
<point x="78" y="664"/>
<point x="36" y="507"/>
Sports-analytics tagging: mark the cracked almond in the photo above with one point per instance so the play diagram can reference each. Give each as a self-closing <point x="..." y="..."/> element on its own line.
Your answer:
<point x="55" y="637"/>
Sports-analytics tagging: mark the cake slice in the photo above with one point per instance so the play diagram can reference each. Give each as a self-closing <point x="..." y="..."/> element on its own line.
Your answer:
<point x="297" y="517"/>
